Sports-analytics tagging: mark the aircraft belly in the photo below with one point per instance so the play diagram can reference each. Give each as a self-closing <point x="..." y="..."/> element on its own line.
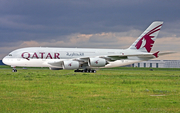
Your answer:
<point x="30" y="63"/>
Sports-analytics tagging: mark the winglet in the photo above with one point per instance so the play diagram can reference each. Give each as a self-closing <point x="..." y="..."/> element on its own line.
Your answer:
<point x="156" y="54"/>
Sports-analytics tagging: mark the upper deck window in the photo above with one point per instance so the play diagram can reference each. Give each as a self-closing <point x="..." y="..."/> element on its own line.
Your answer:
<point x="10" y="55"/>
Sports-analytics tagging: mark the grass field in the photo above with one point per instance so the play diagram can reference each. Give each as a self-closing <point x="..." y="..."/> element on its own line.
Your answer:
<point x="107" y="91"/>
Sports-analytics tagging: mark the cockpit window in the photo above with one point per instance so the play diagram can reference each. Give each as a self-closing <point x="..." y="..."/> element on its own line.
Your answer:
<point x="10" y="55"/>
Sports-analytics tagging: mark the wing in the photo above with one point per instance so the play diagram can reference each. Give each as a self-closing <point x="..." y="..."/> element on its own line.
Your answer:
<point x="143" y="55"/>
<point x="56" y="63"/>
<point x="120" y="57"/>
<point x="110" y="58"/>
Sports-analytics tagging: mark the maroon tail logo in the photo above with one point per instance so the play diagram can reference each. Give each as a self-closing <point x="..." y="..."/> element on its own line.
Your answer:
<point x="147" y="41"/>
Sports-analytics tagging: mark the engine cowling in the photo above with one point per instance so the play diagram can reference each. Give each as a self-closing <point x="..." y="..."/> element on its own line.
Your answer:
<point x="52" y="68"/>
<point x="96" y="62"/>
<point x="70" y="65"/>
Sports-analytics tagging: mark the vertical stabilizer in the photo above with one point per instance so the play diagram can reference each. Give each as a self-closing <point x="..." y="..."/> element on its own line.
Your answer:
<point x="146" y="40"/>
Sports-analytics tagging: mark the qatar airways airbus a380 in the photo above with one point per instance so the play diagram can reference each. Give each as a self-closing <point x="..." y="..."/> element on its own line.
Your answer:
<point x="85" y="60"/>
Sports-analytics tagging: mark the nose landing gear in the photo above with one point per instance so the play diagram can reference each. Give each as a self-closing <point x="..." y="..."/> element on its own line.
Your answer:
<point x="14" y="69"/>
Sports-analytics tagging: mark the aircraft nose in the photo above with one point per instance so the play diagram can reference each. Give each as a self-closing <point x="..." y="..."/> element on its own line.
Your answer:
<point x="5" y="60"/>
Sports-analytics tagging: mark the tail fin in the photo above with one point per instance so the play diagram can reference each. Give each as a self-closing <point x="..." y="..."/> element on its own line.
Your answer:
<point x="146" y="40"/>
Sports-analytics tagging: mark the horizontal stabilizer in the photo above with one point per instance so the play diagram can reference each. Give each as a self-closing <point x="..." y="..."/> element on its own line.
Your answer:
<point x="156" y="54"/>
<point x="165" y="53"/>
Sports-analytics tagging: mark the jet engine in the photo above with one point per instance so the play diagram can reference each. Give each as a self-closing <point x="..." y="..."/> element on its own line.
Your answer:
<point x="97" y="62"/>
<point x="70" y="65"/>
<point x="52" y="68"/>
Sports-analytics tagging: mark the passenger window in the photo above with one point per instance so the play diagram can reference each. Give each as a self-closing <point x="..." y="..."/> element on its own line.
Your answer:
<point x="10" y="54"/>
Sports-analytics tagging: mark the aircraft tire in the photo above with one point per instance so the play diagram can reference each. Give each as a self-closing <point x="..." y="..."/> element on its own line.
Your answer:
<point x="14" y="70"/>
<point x="94" y="71"/>
<point x="86" y="71"/>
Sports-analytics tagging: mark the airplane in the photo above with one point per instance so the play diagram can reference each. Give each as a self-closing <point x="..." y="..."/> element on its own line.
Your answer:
<point x="87" y="59"/>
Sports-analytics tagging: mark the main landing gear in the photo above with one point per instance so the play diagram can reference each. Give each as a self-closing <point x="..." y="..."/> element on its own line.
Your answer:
<point x="14" y="69"/>
<point x="86" y="71"/>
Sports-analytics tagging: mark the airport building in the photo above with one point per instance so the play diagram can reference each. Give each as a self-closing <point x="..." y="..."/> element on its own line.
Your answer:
<point x="158" y="64"/>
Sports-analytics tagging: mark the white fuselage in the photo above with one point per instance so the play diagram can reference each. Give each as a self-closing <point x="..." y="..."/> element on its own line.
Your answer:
<point x="42" y="56"/>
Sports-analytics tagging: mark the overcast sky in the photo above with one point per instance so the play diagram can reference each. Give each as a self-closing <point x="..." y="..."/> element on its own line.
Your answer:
<point x="87" y="24"/>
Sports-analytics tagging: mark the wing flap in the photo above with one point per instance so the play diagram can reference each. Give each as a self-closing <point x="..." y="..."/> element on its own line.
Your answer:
<point x="120" y="57"/>
<point x="144" y="55"/>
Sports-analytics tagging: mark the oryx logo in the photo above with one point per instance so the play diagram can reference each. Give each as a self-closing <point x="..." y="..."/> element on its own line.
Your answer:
<point x="96" y="62"/>
<point x="70" y="65"/>
<point x="147" y="40"/>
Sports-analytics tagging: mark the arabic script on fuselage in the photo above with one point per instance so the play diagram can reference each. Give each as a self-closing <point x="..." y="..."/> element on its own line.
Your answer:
<point x="75" y="54"/>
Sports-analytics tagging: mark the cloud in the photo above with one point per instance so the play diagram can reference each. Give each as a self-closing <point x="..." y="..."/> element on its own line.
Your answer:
<point x="98" y="24"/>
<point x="105" y="40"/>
